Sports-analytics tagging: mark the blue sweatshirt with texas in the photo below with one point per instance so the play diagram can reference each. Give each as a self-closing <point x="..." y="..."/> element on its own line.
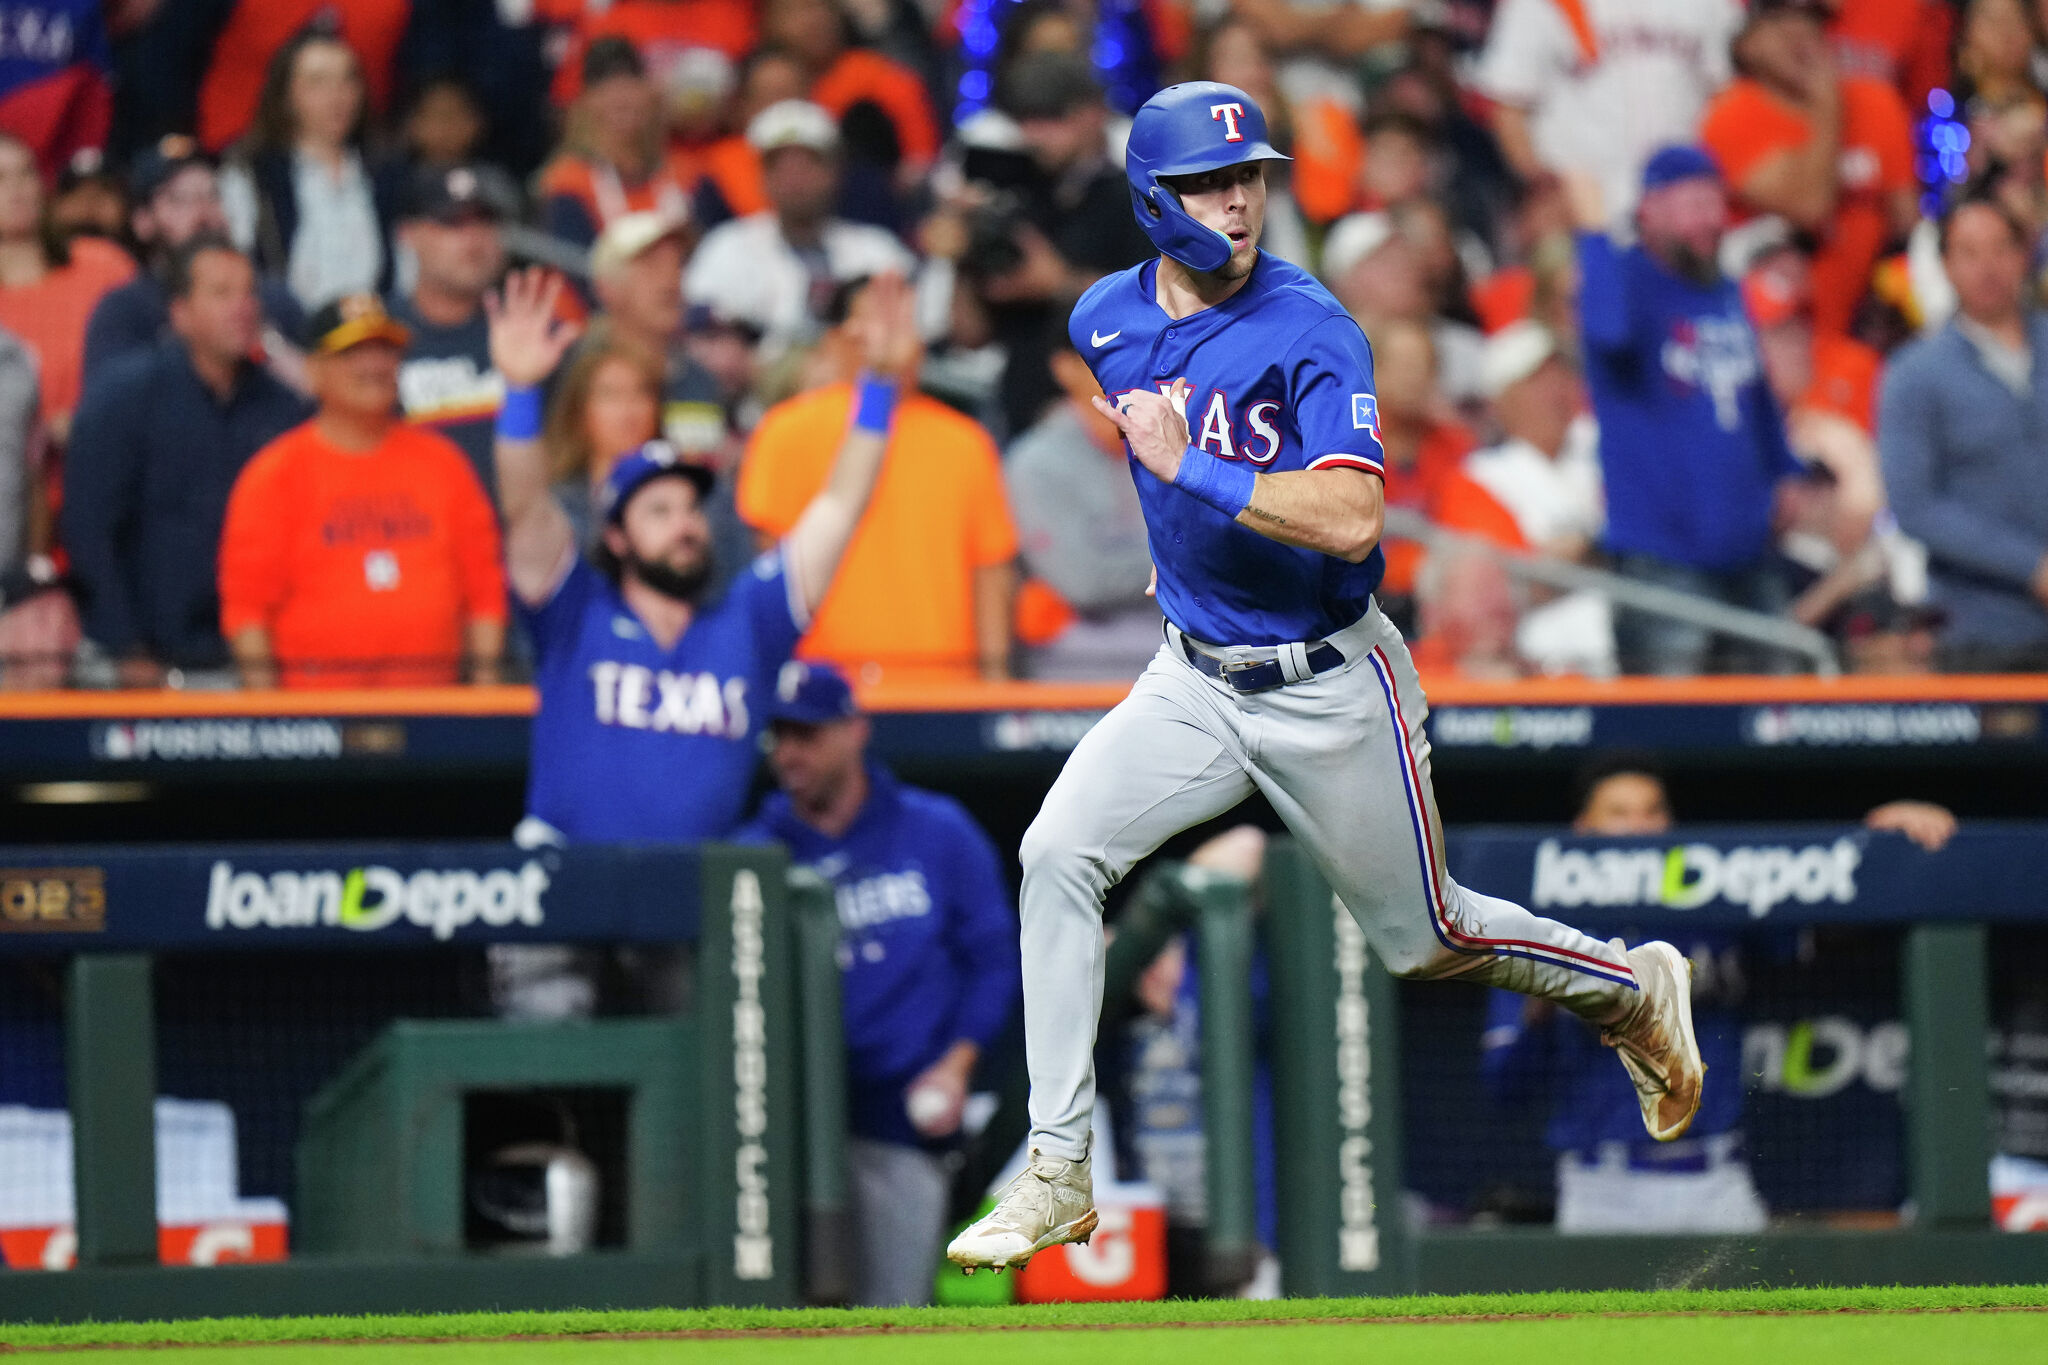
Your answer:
<point x="1692" y="444"/>
<point x="928" y="938"/>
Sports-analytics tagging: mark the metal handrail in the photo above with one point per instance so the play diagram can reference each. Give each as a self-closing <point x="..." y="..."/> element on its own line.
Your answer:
<point x="1755" y="626"/>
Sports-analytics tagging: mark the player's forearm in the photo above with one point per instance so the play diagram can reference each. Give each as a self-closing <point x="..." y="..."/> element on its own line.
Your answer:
<point x="1798" y="184"/>
<point x="1338" y="512"/>
<point x="822" y="533"/>
<point x="251" y="647"/>
<point x="1606" y="313"/>
<point x="522" y="470"/>
<point x="1517" y="143"/>
<point x="538" y="537"/>
<point x="995" y="594"/>
<point x="1353" y="31"/>
<point x="484" y="644"/>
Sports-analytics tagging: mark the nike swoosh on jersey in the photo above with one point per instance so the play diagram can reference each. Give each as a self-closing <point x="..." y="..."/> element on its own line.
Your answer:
<point x="1098" y="339"/>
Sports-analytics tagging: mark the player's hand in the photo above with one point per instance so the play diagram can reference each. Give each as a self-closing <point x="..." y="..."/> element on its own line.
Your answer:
<point x="1153" y="426"/>
<point x="936" y="1098"/>
<point x="1586" y="198"/>
<point x="1925" y="823"/>
<point x="884" y="325"/>
<point x="1040" y="274"/>
<point x="527" y="340"/>
<point x="2038" y="585"/>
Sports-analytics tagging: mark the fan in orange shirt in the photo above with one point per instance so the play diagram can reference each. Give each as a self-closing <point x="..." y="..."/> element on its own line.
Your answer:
<point x="661" y="31"/>
<point x="1904" y="43"/>
<point x="842" y="76"/>
<point x="1832" y="154"/>
<point x="614" y="158"/>
<point x="359" y="551"/>
<point x="48" y="287"/>
<point x="254" y="30"/>
<point x="925" y="589"/>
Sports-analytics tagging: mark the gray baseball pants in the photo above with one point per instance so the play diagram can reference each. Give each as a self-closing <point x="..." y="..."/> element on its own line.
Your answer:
<point x="899" y="1206"/>
<point x="1343" y="760"/>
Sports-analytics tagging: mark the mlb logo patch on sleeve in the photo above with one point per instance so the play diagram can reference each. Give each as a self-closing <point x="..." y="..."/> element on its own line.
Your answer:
<point x="1365" y="412"/>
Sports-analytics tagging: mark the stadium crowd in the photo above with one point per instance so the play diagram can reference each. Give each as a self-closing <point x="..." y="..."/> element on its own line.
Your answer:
<point x="1736" y="300"/>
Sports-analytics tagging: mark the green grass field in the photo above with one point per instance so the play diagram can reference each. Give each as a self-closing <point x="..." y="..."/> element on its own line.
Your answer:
<point x="1756" y="1327"/>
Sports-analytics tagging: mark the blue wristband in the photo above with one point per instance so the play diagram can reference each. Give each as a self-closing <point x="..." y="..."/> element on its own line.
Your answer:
<point x="1224" y="486"/>
<point x="521" y="416"/>
<point x="874" y="404"/>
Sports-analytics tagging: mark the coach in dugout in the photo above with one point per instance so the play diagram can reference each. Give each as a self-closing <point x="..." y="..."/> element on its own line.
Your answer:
<point x="1609" y="1180"/>
<point x="928" y="964"/>
<point x="651" y="690"/>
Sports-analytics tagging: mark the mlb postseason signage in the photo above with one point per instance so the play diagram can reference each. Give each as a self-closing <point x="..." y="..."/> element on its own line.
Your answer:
<point x="1020" y="727"/>
<point x="1738" y="876"/>
<point x="273" y="896"/>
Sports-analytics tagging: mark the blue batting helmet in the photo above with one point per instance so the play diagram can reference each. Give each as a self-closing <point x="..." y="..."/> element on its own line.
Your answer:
<point x="1186" y="129"/>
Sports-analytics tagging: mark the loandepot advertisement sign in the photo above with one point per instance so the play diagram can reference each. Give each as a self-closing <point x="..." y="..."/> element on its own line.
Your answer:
<point x="1758" y="878"/>
<point x="367" y="899"/>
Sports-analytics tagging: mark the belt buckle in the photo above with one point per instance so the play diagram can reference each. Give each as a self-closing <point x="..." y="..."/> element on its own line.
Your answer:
<point x="1228" y="673"/>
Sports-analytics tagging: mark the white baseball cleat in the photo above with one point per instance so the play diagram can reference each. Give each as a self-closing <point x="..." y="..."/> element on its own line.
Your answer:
<point x="1657" y="1044"/>
<point x="1051" y="1201"/>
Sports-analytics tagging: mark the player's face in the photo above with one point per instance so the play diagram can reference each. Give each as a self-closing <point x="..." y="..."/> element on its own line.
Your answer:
<point x="1626" y="803"/>
<point x="622" y="413"/>
<point x="187" y="205"/>
<point x="463" y="258"/>
<point x="664" y="538"/>
<point x="361" y="381"/>
<point x="1231" y="200"/>
<point x="220" y="317"/>
<point x="1682" y="226"/>
<point x="813" y="761"/>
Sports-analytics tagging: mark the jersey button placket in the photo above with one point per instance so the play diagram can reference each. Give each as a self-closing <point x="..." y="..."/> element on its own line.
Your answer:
<point x="1154" y="363"/>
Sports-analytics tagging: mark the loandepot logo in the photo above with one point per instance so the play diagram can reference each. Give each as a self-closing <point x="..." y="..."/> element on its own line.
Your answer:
<point x="1691" y="875"/>
<point x="367" y="899"/>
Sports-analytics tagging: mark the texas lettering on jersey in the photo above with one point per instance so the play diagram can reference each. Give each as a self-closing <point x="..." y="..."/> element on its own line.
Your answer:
<point x="1257" y="438"/>
<point x="642" y="698"/>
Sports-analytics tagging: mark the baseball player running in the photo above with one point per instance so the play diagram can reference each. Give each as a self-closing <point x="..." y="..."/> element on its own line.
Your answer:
<point x="1245" y="395"/>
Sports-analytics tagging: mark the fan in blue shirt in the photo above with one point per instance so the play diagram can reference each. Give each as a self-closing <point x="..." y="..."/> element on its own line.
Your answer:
<point x="650" y="687"/>
<point x="1692" y="445"/>
<point x="928" y="956"/>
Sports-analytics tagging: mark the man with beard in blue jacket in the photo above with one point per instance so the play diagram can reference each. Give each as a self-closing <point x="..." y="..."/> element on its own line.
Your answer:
<point x="928" y="963"/>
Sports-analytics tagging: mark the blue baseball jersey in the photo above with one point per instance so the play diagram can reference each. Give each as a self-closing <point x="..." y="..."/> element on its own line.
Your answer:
<point x="928" y="949"/>
<point x="1279" y="378"/>
<point x="633" y="742"/>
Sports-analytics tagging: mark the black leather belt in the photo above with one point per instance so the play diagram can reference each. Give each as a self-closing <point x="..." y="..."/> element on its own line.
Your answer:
<point x="1256" y="675"/>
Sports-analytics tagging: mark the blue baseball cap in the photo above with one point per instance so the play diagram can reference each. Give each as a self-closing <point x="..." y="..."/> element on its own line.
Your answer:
<point x="1669" y="165"/>
<point x="811" y="694"/>
<point x="651" y="461"/>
